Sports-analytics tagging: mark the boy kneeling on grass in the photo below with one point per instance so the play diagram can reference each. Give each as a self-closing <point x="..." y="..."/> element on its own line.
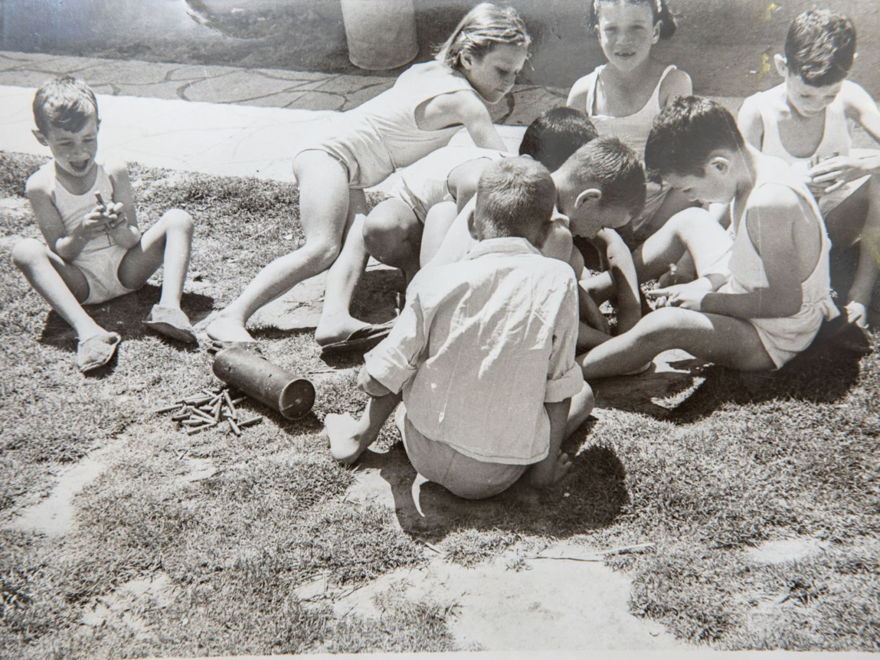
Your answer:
<point x="94" y="250"/>
<point x="483" y="353"/>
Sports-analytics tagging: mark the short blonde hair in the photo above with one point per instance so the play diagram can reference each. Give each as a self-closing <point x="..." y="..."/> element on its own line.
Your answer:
<point x="515" y="197"/>
<point x="481" y="28"/>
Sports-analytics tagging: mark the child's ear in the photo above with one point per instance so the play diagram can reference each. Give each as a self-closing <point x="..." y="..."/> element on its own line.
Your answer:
<point x="40" y="137"/>
<point x="466" y="60"/>
<point x="781" y="65"/>
<point x="473" y="230"/>
<point x="655" y="35"/>
<point x="587" y="195"/>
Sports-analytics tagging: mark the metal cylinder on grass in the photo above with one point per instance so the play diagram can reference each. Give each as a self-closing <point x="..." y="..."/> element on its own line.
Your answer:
<point x="264" y="381"/>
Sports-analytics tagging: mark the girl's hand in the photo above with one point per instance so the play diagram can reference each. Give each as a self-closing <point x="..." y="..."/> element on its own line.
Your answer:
<point x="835" y="172"/>
<point x="688" y="296"/>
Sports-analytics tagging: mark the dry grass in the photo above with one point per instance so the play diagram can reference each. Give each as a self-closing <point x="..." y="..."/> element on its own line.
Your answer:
<point x="729" y="463"/>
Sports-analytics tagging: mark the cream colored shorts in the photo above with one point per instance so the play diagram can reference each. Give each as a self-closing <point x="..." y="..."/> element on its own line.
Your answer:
<point x="101" y="270"/>
<point x="462" y="475"/>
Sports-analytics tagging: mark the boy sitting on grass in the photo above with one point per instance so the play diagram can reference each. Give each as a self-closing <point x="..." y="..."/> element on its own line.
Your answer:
<point x="806" y="122"/>
<point x="483" y="353"/>
<point x="94" y="250"/>
<point x="777" y="293"/>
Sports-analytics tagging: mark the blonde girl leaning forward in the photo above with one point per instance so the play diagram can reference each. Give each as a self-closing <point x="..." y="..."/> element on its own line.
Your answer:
<point x="426" y="106"/>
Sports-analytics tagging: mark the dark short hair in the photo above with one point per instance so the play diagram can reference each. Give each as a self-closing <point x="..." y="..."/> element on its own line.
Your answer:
<point x="555" y="135"/>
<point x="614" y="167"/>
<point x="686" y="132"/>
<point x="659" y="10"/>
<point x="66" y="103"/>
<point x="515" y="197"/>
<point x="820" y="47"/>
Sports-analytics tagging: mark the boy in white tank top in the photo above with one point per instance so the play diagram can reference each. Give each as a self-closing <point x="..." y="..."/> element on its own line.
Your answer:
<point x="777" y="293"/>
<point x="806" y="122"/>
<point x="93" y="249"/>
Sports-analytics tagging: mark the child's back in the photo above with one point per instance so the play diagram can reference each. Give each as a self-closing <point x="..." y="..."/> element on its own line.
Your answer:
<point x="490" y="325"/>
<point x="782" y="337"/>
<point x="483" y="352"/>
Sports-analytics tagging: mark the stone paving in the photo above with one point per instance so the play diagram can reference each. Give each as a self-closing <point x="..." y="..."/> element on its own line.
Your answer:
<point x="276" y="88"/>
<point x="214" y="119"/>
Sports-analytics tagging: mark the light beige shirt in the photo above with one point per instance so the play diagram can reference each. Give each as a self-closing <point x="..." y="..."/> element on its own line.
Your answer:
<point x="479" y="348"/>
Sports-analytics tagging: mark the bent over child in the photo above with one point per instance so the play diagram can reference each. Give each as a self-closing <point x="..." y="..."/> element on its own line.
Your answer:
<point x="777" y="293"/>
<point x="483" y="353"/>
<point x="94" y="250"/>
<point x="427" y="105"/>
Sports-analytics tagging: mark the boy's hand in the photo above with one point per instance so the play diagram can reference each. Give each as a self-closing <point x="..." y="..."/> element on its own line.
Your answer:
<point x="856" y="314"/>
<point x="370" y="385"/>
<point x="94" y="224"/>
<point x="835" y="172"/>
<point x="111" y="212"/>
<point x="688" y="296"/>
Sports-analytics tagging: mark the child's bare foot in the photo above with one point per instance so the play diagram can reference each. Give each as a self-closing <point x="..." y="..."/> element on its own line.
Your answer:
<point x="225" y="329"/>
<point x="547" y="474"/>
<point x="332" y="331"/>
<point x="346" y="444"/>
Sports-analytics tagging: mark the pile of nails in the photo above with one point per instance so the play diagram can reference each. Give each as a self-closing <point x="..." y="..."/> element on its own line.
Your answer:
<point x="207" y="409"/>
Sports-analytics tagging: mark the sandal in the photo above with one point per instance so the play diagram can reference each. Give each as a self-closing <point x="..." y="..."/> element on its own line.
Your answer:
<point x="96" y="351"/>
<point x="171" y="323"/>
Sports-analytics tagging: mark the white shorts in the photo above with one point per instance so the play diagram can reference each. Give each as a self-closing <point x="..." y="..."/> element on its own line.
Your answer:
<point x="101" y="270"/>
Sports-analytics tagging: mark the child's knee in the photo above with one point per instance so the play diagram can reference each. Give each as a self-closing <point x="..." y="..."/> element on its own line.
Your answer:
<point x="587" y="400"/>
<point x="390" y="242"/>
<point x="321" y="252"/>
<point x="660" y="323"/>
<point x="28" y="252"/>
<point x="558" y="243"/>
<point x="178" y="219"/>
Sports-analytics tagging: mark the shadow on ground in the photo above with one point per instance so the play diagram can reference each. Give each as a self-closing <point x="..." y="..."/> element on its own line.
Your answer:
<point x="590" y="497"/>
<point x="692" y="390"/>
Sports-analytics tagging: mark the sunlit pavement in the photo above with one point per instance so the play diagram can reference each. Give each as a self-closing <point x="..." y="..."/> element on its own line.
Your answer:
<point x="212" y="119"/>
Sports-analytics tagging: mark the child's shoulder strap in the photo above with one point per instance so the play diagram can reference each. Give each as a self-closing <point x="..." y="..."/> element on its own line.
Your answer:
<point x="591" y="81"/>
<point x="655" y="97"/>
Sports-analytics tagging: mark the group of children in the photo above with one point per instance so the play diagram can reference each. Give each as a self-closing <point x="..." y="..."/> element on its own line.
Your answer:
<point x="486" y="362"/>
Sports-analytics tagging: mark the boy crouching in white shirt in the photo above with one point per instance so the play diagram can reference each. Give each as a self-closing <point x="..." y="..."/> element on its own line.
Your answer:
<point x="482" y="355"/>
